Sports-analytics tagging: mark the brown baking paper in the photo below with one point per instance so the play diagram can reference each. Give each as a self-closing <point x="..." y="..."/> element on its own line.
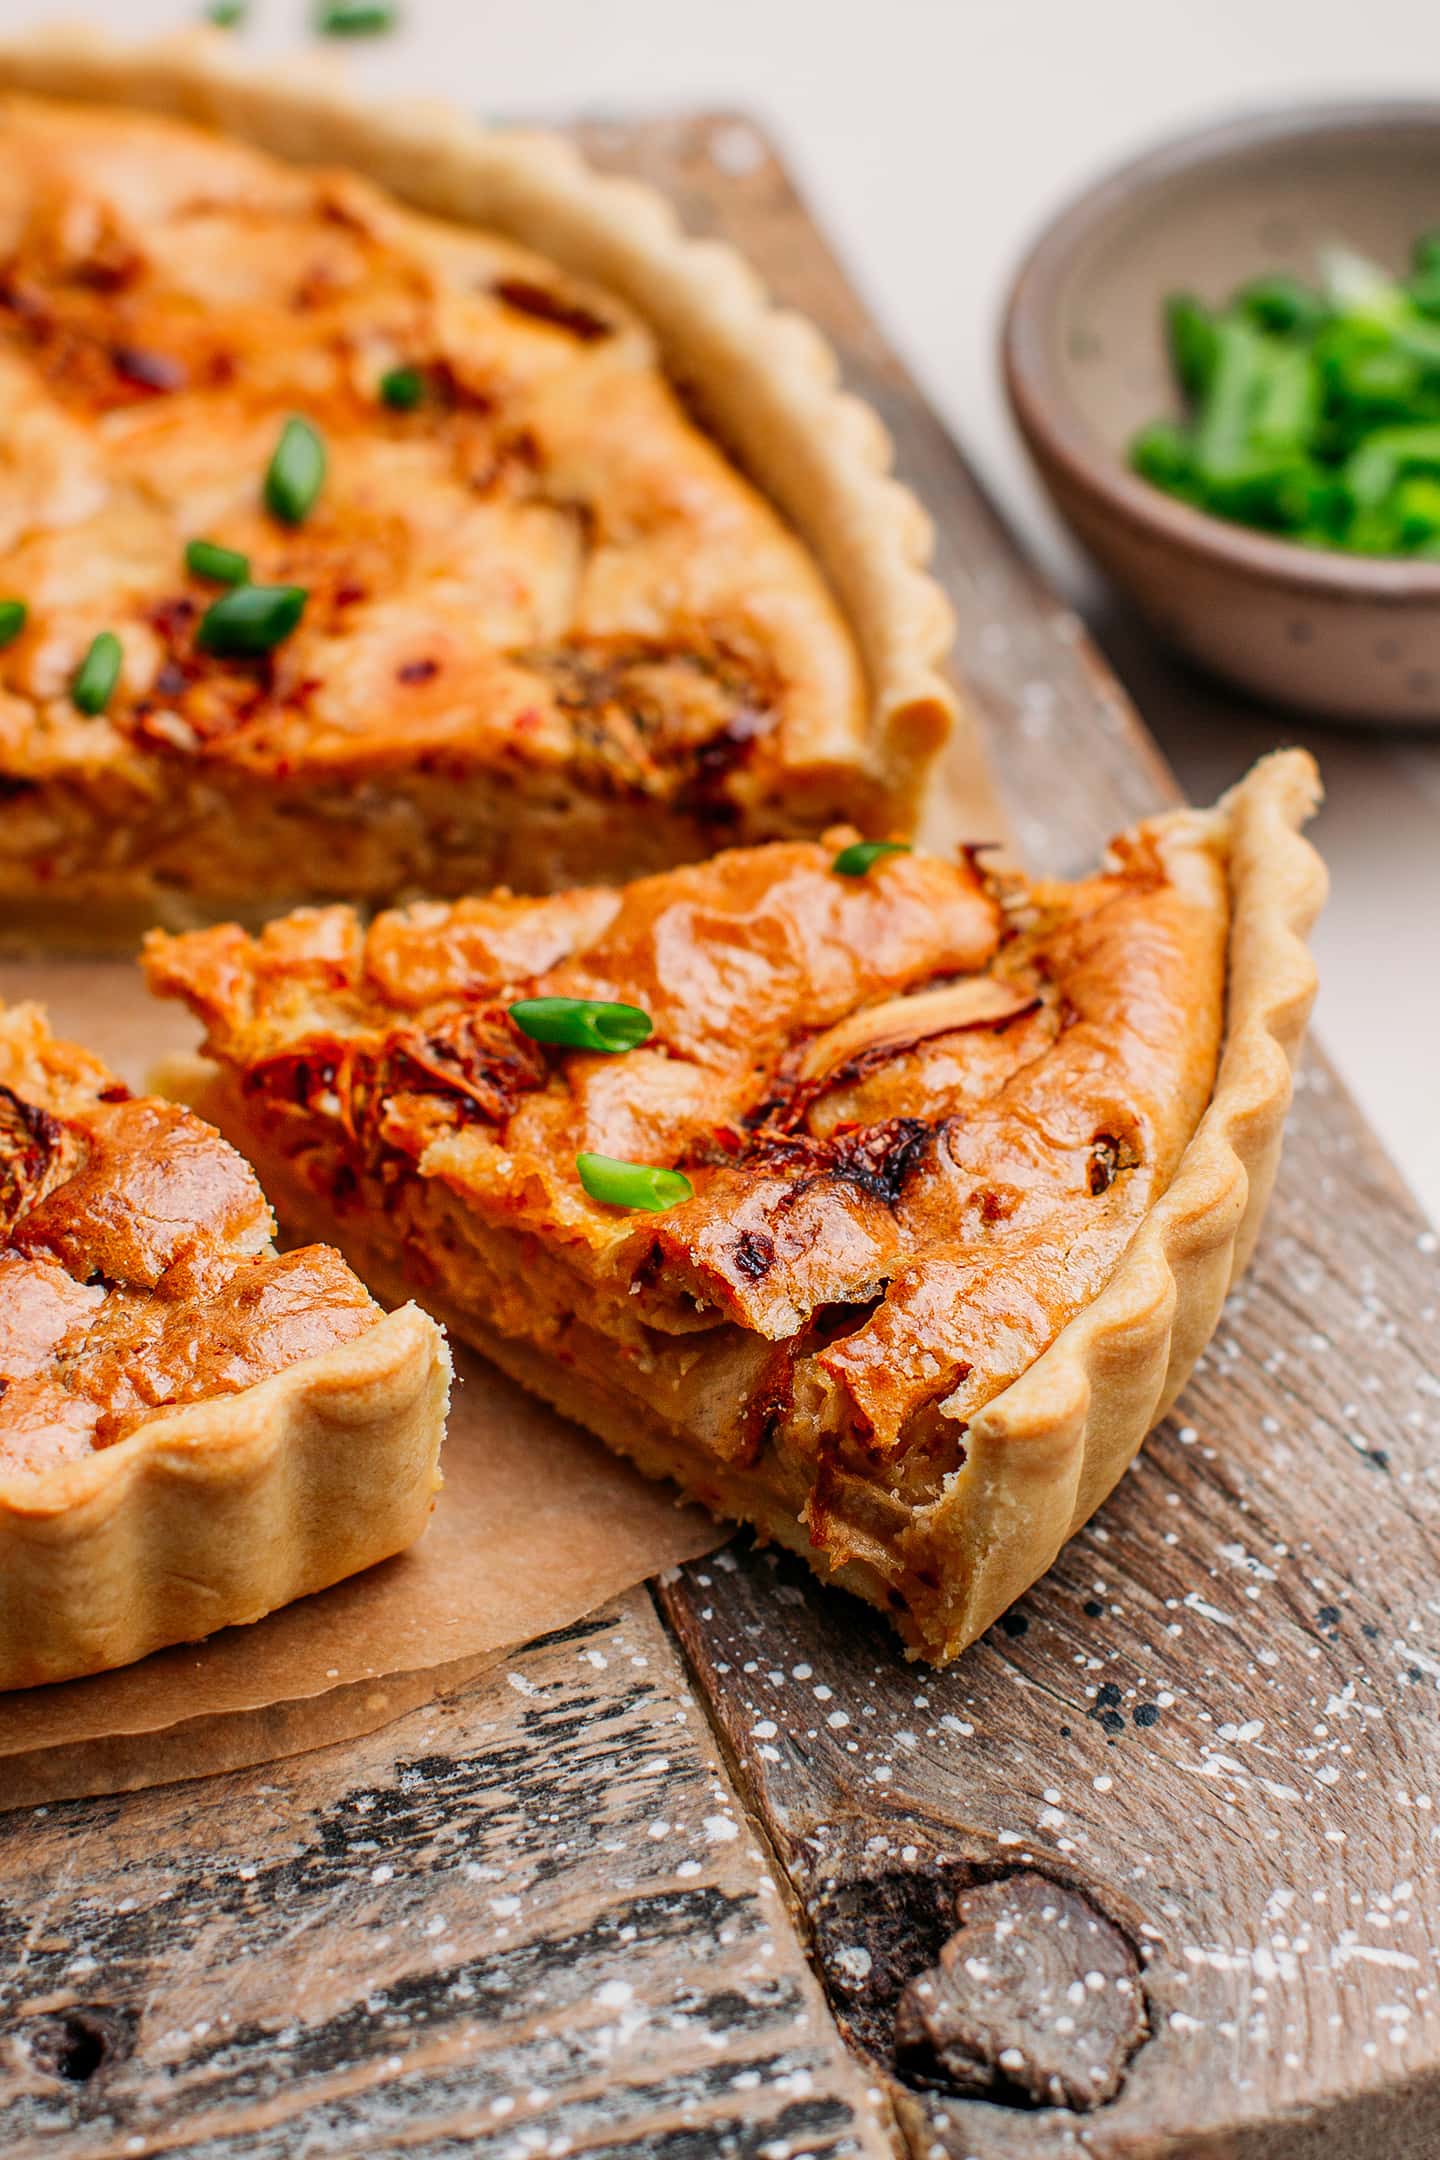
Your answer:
<point x="536" y="1525"/>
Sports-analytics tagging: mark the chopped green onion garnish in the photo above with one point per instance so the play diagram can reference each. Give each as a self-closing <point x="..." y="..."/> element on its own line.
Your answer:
<point x="1416" y="503"/>
<point x="296" y="472"/>
<point x="402" y="389"/>
<point x="226" y="14"/>
<point x="1282" y="304"/>
<point x="354" y="18"/>
<point x="251" y="620"/>
<point x="855" y="860"/>
<point x="1190" y="331"/>
<point x="220" y="565"/>
<point x="1163" y="453"/>
<point x="632" y="1184"/>
<point x="1222" y="427"/>
<point x="1310" y="411"/>
<point x="582" y="1023"/>
<point x="13" y="617"/>
<point x="1372" y="471"/>
<point x="97" y="674"/>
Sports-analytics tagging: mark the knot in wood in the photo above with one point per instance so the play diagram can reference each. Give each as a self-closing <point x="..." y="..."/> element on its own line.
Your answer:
<point x="1036" y="2001"/>
<point x="77" y="2043"/>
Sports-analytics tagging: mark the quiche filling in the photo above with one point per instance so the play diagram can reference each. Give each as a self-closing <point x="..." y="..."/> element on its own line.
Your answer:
<point x="542" y="629"/>
<point x="919" y="1114"/>
<point x="136" y="1270"/>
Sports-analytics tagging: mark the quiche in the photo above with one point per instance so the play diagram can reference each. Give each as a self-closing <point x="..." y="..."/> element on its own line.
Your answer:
<point x="194" y="1429"/>
<point x="882" y="1200"/>
<point x="426" y="514"/>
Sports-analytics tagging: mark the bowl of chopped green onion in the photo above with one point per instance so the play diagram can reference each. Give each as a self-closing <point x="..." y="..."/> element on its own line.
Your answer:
<point x="1225" y="361"/>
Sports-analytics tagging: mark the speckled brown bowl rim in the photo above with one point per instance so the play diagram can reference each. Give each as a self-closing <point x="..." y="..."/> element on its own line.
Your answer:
<point x="1048" y="415"/>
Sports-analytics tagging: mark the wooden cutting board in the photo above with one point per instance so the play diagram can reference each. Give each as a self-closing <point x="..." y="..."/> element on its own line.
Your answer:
<point x="658" y="1886"/>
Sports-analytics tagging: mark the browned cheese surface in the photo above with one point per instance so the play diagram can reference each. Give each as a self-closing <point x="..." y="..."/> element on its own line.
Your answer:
<point x="542" y="572"/>
<point x="922" y="1111"/>
<point x="135" y="1270"/>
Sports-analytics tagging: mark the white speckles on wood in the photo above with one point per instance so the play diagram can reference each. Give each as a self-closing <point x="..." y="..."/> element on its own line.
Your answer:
<point x="1245" y="1776"/>
<point x="501" y="1919"/>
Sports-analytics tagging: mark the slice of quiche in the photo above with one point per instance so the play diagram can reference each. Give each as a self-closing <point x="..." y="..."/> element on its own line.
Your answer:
<point x="348" y="550"/>
<point x="194" y="1429"/>
<point x="881" y="1200"/>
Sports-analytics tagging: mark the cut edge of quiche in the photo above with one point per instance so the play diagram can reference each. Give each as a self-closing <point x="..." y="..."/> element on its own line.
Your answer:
<point x="194" y="1429"/>
<point x="968" y="1163"/>
<point x="763" y="381"/>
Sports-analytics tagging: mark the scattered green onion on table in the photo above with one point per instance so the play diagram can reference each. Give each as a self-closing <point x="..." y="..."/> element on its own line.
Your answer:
<point x="355" y="18"/>
<point x="1311" y="412"/>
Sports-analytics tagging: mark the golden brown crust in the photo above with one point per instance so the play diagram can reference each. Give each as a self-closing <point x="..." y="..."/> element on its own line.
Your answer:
<point x="539" y="603"/>
<point x="176" y="1401"/>
<point x="223" y="1511"/>
<point x="899" y="1218"/>
<point x="1046" y="1452"/>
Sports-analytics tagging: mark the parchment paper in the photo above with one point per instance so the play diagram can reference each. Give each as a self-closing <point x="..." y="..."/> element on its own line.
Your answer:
<point x="536" y="1525"/>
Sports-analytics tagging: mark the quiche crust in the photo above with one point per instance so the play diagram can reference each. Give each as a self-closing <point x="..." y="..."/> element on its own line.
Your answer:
<point x="765" y="385"/>
<point x="974" y="1164"/>
<point x="151" y="1489"/>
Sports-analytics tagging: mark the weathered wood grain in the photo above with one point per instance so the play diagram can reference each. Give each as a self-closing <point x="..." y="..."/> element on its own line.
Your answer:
<point x="1216" y="1719"/>
<point x="532" y="1917"/>
<point x="1035" y="1999"/>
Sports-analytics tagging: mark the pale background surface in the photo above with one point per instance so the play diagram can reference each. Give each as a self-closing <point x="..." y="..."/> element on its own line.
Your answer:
<point x="933" y="136"/>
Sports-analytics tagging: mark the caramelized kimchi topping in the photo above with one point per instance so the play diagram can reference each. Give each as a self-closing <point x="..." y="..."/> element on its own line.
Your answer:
<point x="935" y="1103"/>
<point x="135" y="1267"/>
<point x="538" y="564"/>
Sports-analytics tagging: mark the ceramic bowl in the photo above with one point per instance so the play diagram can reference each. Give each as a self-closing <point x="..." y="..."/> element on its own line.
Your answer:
<point x="1350" y="637"/>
